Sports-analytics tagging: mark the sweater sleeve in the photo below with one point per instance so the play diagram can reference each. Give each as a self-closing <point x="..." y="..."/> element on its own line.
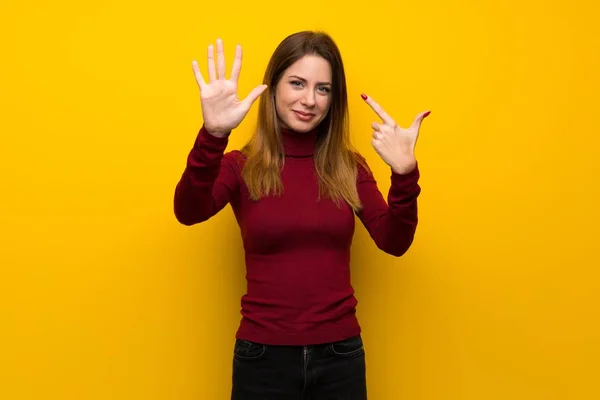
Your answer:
<point x="391" y="225"/>
<point x="209" y="180"/>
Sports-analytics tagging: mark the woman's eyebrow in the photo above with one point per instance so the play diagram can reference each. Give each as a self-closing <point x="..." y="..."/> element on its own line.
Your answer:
<point x="304" y="80"/>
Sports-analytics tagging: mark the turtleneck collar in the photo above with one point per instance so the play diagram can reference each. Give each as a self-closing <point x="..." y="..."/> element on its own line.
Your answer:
<point x="299" y="144"/>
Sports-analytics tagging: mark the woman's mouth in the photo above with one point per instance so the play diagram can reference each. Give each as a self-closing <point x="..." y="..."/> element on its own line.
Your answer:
<point x="304" y="116"/>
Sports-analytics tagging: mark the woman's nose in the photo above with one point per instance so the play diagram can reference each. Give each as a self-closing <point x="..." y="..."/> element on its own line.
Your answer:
<point x="309" y="98"/>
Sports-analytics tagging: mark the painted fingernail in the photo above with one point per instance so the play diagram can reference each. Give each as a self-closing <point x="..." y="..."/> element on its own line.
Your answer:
<point x="426" y="114"/>
<point x="364" y="96"/>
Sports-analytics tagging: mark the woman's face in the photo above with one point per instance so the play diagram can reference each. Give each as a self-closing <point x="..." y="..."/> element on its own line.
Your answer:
<point x="303" y="94"/>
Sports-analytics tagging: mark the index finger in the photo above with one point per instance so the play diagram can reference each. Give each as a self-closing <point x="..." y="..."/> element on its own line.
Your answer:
<point x="378" y="110"/>
<point x="237" y="64"/>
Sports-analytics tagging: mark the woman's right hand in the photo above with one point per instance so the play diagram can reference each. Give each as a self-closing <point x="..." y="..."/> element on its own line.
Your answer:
<point x="222" y="110"/>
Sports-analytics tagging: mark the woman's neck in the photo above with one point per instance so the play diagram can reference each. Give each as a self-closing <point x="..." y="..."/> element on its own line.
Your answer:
<point x="299" y="144"/>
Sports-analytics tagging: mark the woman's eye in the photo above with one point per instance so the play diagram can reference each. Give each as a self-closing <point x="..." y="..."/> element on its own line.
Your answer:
<point x="322" y="89"/>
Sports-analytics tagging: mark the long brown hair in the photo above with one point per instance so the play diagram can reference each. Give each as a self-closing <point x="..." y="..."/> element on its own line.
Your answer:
<point x="334" y="157"/>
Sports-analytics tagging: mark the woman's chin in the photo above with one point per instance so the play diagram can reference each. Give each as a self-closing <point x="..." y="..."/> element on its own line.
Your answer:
<point x="301" y="126"/>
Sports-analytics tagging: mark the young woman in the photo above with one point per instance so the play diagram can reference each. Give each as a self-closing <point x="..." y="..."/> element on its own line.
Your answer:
<point x="295" y="189"/>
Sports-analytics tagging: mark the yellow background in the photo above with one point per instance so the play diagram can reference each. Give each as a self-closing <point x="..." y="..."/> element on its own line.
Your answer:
<point x="105" y="296"/>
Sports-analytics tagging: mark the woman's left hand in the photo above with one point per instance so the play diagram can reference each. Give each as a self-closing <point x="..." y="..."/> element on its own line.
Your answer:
<point x="395" y="145"/>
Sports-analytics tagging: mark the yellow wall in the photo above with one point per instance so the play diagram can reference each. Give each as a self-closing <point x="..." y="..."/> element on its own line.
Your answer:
<point x="104" y="296"/>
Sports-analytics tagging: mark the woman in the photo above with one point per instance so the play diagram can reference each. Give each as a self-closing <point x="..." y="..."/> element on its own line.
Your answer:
<point x="295" y="189"/>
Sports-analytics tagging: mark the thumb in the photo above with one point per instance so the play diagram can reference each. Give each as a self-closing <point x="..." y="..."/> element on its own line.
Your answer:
<point x="419" y="118"/>
<point x="253" y="95"/>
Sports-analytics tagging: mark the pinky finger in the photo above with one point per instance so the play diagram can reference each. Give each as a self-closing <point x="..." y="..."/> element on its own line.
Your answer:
<point x="198" y="74"/>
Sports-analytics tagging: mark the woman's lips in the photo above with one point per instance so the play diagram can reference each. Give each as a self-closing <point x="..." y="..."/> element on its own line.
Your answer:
<point x="304" y="116"/>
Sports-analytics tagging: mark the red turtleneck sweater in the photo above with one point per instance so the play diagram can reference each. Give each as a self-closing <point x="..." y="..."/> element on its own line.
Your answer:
<point x="297" y="249"/>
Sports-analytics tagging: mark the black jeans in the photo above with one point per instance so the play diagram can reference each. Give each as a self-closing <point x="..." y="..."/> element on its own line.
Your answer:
<point x="317" y="372"/>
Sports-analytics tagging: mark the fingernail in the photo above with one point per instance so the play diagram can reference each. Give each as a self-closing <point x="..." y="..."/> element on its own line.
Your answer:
<point x="426" y="114"/>
<point x="364" y="96"/>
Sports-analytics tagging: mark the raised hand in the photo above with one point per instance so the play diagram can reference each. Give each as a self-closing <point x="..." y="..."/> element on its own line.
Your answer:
<point x="222" y="110"/>
<point x="395" y="145"/>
